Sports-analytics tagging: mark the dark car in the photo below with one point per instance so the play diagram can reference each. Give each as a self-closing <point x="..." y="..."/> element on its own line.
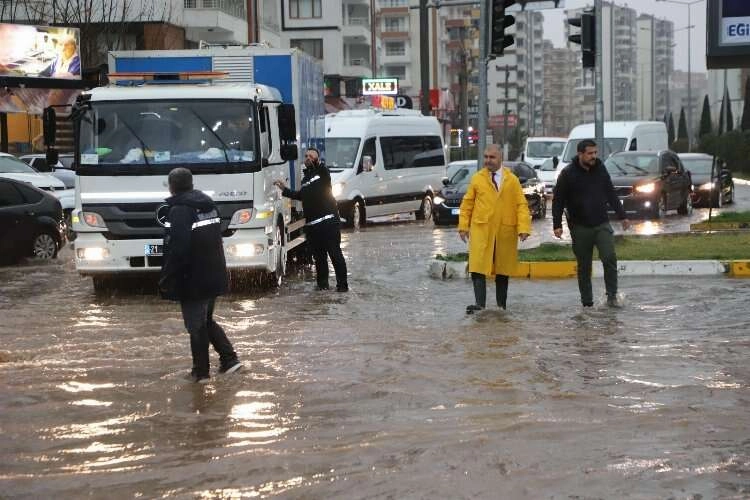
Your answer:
<point x="31" y="222"/>
<point x="448" y="200"/>
<point x="705" y="192"/>
<point x="650" y="183"/>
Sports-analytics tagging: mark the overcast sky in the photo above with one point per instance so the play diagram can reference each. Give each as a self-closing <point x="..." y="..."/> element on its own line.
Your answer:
<point x="678" y="14"/>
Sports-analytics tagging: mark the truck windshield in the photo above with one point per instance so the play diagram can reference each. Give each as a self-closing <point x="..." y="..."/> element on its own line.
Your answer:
<point x="341" y="152"/>
<point x="612" y="145"/>
<point x="159" y="132"/>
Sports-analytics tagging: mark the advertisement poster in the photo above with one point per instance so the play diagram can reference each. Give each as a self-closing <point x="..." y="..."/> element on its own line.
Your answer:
<point x="39" y="52"/>
<point x="735" y="20"/>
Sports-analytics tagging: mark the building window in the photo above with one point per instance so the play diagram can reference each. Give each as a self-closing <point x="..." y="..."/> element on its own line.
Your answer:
<point x="395" y="48"/>
<point x="312" y="46"/>
<point x="384" y="4"/>
<point x="395" y="24"/>
<point x="304" y="9"/>
<point x="396" y="72"/>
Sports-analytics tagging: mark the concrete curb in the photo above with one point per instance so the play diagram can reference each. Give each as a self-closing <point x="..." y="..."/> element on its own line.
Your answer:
<point x="440" y="269"/>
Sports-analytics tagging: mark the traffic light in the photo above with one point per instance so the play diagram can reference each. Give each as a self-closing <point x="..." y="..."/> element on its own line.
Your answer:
<point x="498" y="39"/>
<point x="587" y="38"/>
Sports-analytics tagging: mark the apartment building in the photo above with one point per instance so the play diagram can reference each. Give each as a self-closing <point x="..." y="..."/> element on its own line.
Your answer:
<point x="561" y="68"/>
<point x="619" y="64"/>
<point x="462" y="26"/>
<point x="655" y="38"/>
<point x="516" y="80"/>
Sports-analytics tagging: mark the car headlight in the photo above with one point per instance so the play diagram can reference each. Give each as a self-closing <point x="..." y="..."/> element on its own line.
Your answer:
<point x="338" y="189"/>
<point x="646" y="188"/>
<point x="438" y="200"/>
<point x="708" y="186"/>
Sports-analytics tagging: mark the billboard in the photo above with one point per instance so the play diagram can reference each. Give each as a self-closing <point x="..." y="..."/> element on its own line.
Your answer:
<point x="380" y="86"/>
<point x="39" y="52"/>
<point x="728" y="34"/>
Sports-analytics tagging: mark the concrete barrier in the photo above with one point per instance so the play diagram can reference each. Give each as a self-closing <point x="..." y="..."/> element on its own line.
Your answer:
<point x="439" y="269"/>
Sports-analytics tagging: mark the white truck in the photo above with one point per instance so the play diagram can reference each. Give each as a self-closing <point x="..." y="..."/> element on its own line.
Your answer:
<point x="236" y="137"/>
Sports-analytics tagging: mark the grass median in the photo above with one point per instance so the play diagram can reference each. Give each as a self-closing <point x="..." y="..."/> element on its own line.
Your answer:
<point x="718" y="246"/>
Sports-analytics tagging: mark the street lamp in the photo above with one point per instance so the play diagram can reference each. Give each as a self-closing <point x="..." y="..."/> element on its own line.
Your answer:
<point x="690" y="96"/>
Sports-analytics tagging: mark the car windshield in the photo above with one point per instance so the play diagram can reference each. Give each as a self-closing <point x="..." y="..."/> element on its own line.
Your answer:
<point x="611" y="146"/>
<point x="67" y="161"/>
<point x="11" y="165"/>
<point x="135" y="133"/>
<point x="341" y="152"/>
<point x="699" y="165"/>
<point x="523" y="171"/>
<point x="634" y="165"/>
<point x="463" y="176"/>
<point x="544" y="149"/>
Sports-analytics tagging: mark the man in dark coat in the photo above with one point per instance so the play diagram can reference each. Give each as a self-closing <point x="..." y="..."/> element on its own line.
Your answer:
<point x="194" y="271"/>
<point x="322" y="224"/>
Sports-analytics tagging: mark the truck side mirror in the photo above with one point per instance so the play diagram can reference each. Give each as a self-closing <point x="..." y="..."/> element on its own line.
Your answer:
<point x="555" y="161"/>
<point x="289" y="152"/>
<point x="287" y="123"/>
<point x="49" y="126"/>
<point x="367" y="163"/>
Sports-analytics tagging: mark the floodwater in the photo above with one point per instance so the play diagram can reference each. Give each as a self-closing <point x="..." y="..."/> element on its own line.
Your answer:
<point x="389" y="391"/>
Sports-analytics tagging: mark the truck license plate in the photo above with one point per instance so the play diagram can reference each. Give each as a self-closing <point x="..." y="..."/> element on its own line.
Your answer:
<point x="455" y="211"/>
<point x="154" y="250"/>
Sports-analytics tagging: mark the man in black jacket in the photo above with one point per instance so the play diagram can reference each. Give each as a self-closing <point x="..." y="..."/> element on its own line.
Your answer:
<point x="322" y="224"/>
<point x="194" y="271"/>
<point x="585" y="189"/>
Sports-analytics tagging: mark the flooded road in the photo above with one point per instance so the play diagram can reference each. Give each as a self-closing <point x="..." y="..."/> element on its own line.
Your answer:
<point x="389" y="391"/>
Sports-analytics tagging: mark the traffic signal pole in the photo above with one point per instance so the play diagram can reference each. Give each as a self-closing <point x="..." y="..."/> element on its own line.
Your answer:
<point x="599" y="89"/>
<point x="424" y="57"/>
<point x="484" y="30"/>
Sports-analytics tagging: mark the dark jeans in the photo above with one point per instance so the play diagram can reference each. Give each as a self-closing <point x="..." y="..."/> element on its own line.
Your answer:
<point x="199" y="322"/>
<point x="325" y="240"/>
<point x="584" y="240"/>
<point x="480" y="289"/>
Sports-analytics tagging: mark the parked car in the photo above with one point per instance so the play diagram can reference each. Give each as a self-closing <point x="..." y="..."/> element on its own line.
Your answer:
<point x="31" y="222"/>
<point x="13" y="168"/>
<point x="62" y="170"/>
<point x="455" y="166"/>
<point x="448" y="199"/>
<point x="650" y="183"/>
<point x="706" y="192"/>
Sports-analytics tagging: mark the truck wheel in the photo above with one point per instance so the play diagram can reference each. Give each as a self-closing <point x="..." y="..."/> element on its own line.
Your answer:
<point x="357" y="215"/>
<point x="425" y="210"/>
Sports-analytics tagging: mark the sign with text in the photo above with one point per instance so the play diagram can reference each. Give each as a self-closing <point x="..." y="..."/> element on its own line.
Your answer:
<point x="728" y="34"/>
<point x="379" y="86"/>
<point x="39" y="52"/>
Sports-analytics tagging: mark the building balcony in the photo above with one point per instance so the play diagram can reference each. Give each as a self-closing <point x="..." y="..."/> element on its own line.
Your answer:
<point x="395" y="58"/>
<point x="215" y="20"/>
<point x="394" y="11"/>
<point x="394" y="35"/>
<point x="356" y="29"/>
<point x="360" y="68"/>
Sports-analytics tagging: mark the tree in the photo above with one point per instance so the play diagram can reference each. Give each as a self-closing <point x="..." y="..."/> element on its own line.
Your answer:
<point x="682" y="131"/>
<point x="730" y="117"/>
<point x="722" y="121"/>
<point x="705" y="127"/>
<point x="670" y="129"/>
<point x="745" y="124"/>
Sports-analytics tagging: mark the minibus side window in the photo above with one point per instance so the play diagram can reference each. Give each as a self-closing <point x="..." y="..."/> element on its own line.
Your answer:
<point x="368" y="150"/>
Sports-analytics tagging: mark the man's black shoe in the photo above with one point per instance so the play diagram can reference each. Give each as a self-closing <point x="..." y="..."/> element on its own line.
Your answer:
<point x="321" y="288"/>
<point x="231" y="367"/>
<point x="342" y="288"/>
<point x="472" y="308"/>
<point x="588" y="304"/>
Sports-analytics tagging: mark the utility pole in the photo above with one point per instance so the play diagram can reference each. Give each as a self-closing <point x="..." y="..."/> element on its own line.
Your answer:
<point x="463" y="84"/>
<point x="484" y="25"/>
<point x="599" y="106"/>
<point x="424" y="56"/>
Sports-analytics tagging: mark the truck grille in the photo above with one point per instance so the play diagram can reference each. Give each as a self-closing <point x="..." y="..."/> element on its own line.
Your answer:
<point x="623" y="190"/>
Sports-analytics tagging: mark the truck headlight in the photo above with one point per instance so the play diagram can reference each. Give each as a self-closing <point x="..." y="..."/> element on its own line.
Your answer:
<point x="94" y="253"/>
<point x="438" y="200"/>
<point x="242" y="216"/>
<point x="338" y="189"/>
<point x="646" y="188"/>
<point x="245" y="250"/>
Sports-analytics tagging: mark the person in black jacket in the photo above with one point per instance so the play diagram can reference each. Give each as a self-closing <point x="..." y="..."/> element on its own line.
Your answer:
<point x="585" y="189"/>
<point x="322" y="224"/>
<point x="194" y="271"/>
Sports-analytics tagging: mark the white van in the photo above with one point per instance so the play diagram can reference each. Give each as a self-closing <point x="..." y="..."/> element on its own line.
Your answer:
<point x="538" y="149"/>
<point x="618" y="136"/>
<point x="384" y="162"/>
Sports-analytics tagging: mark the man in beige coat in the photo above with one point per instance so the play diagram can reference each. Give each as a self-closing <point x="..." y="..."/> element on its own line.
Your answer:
<point x="494" y="213"/>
